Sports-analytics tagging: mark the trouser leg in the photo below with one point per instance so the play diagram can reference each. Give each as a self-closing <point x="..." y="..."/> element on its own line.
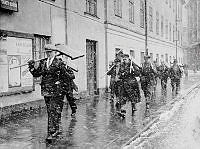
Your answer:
<point x="57" y="111"/>
<point x="177" y="85"/>
<point x="54" y="110"/>
<point x="50" y="128"/>
<point x="71" y="102"/>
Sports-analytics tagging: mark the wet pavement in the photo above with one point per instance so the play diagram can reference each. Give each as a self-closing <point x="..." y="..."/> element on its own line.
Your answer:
<point x="95" y="126"/>
<point x="182" y="131"/>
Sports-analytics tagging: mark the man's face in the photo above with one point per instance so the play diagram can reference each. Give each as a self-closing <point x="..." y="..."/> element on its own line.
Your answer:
<point x="49" y="53"/>
<point x="146" y="59"/>
<point x="126" y="59"/>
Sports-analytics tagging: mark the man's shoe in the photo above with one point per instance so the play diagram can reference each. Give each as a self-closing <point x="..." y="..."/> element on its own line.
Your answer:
<point x="49" y="139"/>
<point x="73" y="115"/>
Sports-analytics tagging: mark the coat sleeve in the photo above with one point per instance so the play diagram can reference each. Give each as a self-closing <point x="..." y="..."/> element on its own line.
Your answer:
<point x="66" y="73"/>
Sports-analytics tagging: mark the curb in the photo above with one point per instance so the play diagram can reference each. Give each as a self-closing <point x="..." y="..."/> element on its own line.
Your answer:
<point x="177" y="104"/>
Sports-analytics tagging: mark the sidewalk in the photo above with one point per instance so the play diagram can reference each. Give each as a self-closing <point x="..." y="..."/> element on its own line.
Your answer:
<point x="150" y="136"/>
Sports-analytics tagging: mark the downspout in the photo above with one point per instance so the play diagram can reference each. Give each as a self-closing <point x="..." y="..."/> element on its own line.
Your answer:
<point x="106" y="41"/>
<point x="65" y="9"/>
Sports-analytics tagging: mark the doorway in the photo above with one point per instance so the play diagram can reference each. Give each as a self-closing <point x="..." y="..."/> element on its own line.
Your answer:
<point x="91" y="46"/>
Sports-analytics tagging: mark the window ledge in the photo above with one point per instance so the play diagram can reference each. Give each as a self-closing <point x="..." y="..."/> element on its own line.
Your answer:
<point x="118" y="16"/>
<point x="89" y="14"/>
<point x="132" y="22"/>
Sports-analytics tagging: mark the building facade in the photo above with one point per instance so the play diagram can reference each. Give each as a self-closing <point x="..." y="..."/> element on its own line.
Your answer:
<point x="86" y="32"/>
<point x="98" y="28"/>
<point x="25" y="26"/>
<point x="125" y="29"/>
<point x="193" y="31"/>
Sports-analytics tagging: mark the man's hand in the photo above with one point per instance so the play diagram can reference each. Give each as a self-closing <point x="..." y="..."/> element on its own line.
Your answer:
<point x="31" y="64"/>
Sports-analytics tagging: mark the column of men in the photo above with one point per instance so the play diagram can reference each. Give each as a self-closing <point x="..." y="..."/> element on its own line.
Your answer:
<point x="125" y="87"/>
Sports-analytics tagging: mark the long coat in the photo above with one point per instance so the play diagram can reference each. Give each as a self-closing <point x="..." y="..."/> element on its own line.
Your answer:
<point x="130" y="88"/>
<point x="52" y="77"/>
<point x="163" y="72"/>
<point x="175" y="73"/>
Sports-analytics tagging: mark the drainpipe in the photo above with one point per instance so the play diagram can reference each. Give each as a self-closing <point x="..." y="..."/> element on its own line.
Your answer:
<point x="145" y="17"/>
<point x="65" y="9"/>
<point x="106" y="41"/>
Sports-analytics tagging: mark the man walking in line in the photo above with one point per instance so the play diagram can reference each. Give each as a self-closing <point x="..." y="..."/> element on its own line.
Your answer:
<point x="147" y="80"/>
<point x="163" y="75"/>
<point x="175" y="74"/>
<point x="128" y="73"/>
<point x="52" y="72"/>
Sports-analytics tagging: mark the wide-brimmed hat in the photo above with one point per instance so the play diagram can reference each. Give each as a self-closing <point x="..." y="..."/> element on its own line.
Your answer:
<point x="126" y="56"/>
<point x="147" y="56"/>
<point x="119" y="52"/>
<point x="50" y="47"/>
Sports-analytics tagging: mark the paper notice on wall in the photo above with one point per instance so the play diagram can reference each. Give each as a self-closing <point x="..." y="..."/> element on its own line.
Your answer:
<point x="14" y="74"/>
<point x="3" y="68"/>
<point x="3" y="78"/>
<point x="26" y="76"/>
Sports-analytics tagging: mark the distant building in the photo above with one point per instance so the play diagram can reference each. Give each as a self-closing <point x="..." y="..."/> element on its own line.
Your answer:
<point x="193" y="26"/>
<point x="125" y="29"/>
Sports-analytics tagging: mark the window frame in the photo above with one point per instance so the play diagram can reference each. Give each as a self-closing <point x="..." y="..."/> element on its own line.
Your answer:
<point x="88" y="7"/>
<point x="166" y="29"/>
<point x="157" y="23"/>
<point x="162" y="26"/>
<point x="131" y="11"/>
<point x="118" y="8"/>
<point x="150" y="19"/>
<point x="142" y="13"/>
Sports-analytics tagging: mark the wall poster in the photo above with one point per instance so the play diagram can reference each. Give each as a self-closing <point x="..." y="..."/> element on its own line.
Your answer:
<point x="16" y="51"/>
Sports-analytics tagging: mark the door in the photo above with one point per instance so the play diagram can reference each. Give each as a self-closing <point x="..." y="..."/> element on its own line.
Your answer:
<point x="91" y="67"/>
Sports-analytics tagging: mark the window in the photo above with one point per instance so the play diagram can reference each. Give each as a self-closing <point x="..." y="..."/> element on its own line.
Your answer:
<point x="170" y="59"/>
<point x="179" y="36"/>
<point x="166" y="29"/>
<point x="166" y="1"/>
<point x="173" y="33"/>
<point x="91" y="7"/>
<point x="150" y="19"/>
<point x="131" y="11"/>
<point x="38" y="51"/>
<point x="132" y="54"/>
<point x="170" y="31"/>
<point x="166" y="58"/>
<point x="157" y="23"/>
<point x="174" y="5"/>
<point x="151" y="55"/>
<point x="118" y="8"/>
<point x="170" y="4"/>
<point x="142" y="57"/>
<point x="141" y="13"/>
<point x="162" y="26"/>
<point x="157" y="58"/>
<point x="162" y="57"/>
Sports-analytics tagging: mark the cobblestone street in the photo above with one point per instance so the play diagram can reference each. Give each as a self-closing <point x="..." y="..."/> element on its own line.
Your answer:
<point x="95" y="126"/>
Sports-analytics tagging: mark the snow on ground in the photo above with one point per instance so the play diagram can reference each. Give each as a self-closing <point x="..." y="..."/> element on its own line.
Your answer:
<point x="181" y="131"/>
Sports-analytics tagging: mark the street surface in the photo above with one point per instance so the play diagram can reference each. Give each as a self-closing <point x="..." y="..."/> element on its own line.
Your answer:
<point x="182" y="131"/>
<point x="96" y="125"/>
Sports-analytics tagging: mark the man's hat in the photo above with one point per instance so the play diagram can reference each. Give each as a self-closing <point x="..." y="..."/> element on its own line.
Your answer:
<point x="126" y="55"/>
<point x="147" y="56"/>
<point x="119" y="52"/>
<point x="50" y="47"/>
<point x="175" y="61"/>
